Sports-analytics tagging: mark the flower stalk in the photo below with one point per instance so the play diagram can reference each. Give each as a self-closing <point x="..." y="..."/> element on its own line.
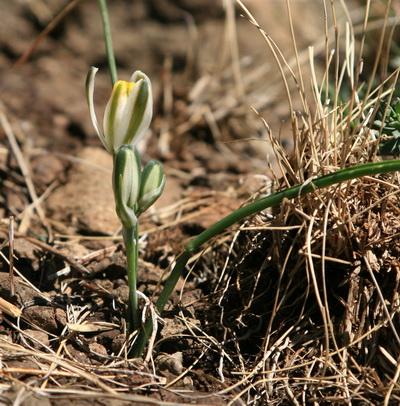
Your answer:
<point x="131" y="241"/>
<point x="108" y="40"/>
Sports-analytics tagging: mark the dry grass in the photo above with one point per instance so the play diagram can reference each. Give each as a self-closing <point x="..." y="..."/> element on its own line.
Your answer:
<point x="303" y="304"/>
<point x="318" y="283"/>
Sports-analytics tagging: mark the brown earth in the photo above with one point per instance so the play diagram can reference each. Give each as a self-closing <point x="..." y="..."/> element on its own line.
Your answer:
<point x="67" y="344"/>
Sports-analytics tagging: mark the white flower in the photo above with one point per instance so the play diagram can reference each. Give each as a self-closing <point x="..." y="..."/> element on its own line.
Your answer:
<point x="126" y="183"/>
<point x="128" y="112"/>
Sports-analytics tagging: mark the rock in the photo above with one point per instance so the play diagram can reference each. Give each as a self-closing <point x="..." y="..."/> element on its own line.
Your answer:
<point x="43" y="316"/>
<point x="98" y="348"/>
<point x="122" y="293"/>
<point x="46" y="169"/>
<point x="173" y="327"/>
<point x="61" y="317"/>
<point x="16" y="200"/>
<point x="23" y="293"/>
<point x="77" y="355"/>
<point x="87" y="199"/>
<point x="25" y="249"/>
<point x="37" y="338"/>
<point x="28" y="254"/>
<point x="5" y="336"/>
<point x="170" y="362"/>
<point x="117" y="343"/>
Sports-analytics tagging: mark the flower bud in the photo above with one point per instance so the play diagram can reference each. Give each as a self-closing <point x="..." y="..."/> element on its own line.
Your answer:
<point x="126" y="183"/>
<point x="128" y="112"/>
<point x="151" y="186"/>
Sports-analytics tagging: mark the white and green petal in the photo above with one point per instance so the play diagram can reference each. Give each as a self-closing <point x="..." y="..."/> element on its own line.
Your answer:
<point x="137" y="106"/>
<point x="115" y="115"/>
<point x="141" y="108"/>
<point x="126" y="183"/>
<point x="151" y="185"/>
<point x="89" y="86"/>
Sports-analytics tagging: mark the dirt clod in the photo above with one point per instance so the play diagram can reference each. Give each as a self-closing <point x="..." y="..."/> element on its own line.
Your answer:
<point x="43" y="317"/>
<point x="87" y="199"/>
<point x="47" y="169"/>
<point x="98" y="348"/>
<point x="24" y="294"/>
<point x="170" y="362"/>
<point x="39" y="338"/>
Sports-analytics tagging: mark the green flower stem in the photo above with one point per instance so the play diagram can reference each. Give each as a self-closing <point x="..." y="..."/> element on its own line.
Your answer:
<point x="108" y="40"/>
<point x="263" y="203"/>
<point x="132" y="250"/>
<point x="169" y="286"/>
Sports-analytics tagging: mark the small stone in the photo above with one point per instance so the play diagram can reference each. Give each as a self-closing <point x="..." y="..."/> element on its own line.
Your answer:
<point x="6" y="337"/>
<point x="25" y="249"/>
<point x="170" y="362"/>
<point x="105" y="338"/>
<point x="46" y="169"/>
<point x="122" y="293"/>
<point x="78" y="356"/>
<point x="172" y="327"/>
<point x="61" y="317"/>
<point x="16" y="200"/>
<point x="98" y="348"/>
<point x="118" y="343"/>
<point x="187" y="381"/>
<point x="87" y="198"/>
<point x="23" y="292"/>
<point x="37" y="338"/>
<point x="43" y="316"/>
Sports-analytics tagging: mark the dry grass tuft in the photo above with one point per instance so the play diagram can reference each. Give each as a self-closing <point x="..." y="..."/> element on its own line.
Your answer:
<point x="306" y="304"/>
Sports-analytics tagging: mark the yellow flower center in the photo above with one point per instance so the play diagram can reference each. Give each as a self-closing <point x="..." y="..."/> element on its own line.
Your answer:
<point x="126" y="87"/>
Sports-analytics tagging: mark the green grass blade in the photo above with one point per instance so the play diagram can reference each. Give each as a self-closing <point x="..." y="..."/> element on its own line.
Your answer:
<point x="263" y="203"/>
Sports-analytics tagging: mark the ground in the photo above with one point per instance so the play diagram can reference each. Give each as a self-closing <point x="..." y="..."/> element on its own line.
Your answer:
<point x="62" y="336"/>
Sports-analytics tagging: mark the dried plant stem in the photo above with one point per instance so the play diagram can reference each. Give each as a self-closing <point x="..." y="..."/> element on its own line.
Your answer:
<point x="11" y="254"/>
<point x="131" y="245"/>
<point x="108" y="41"/>
<point x="67" y="8"/>
<point x="261" y="204"/>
